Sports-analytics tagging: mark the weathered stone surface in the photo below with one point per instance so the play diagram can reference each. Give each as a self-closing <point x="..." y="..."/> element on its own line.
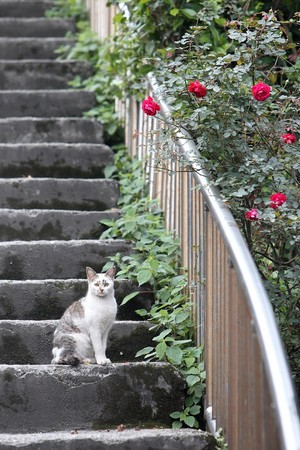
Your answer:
<point x="48" y="299"/>
<point x="31" y="48"/>
<point x="55" y="259"/>
<point x="36" y="130"/>
<point x="57" y="193"/>
<point x="30" y="341"/>
<point x="39" y="224"/>
<point x="54" y="160"/>
<point x="35" y="27"/>
<point x="43" y="398"/>
<point x="129" y="439"/>
<point x="24" y="8"/>
<point x="41" y="74"/>
<point x="46" y="103"/>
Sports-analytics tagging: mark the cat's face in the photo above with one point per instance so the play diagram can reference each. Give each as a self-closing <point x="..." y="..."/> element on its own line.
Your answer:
<point x="100" y="284"/>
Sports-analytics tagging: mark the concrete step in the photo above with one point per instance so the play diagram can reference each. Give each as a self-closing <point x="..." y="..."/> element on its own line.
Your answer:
<point x="24" y="8"/>
<point x="35" y="130"/>
<point x="35" y="27"/>
<point x="48" y="299"/>
<point x="43" y="74"/>
<point x="47" y="398"/>
<point x="48" y="103"/>
<point x="30" y="342"/>
<point x="58" y="193"/>
<point x="38" y="260"/>
<point x="114" y="439"/>
<point x="55" y="160"/>
<point x="49" y="224"/>
<point x="31" y="48"/>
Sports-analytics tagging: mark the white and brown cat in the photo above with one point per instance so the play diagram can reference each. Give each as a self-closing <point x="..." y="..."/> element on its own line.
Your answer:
<point x="81" y="334"/>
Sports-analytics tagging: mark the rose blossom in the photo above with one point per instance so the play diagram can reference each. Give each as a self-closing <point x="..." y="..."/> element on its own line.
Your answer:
<point x="261" y="91"/>
<point x="197" y="88"/>
<point x="288" y="138"/>
<point x="150" y="107"/>
<point x="252" y="214"/>
<point x="277" y="199"/>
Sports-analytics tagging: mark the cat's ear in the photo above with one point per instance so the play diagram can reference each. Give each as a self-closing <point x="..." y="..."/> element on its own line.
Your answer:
<point x="90" y="273"/>
<point x="111" y="273"/>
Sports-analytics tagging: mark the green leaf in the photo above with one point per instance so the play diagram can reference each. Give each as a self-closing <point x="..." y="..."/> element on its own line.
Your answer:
<point x="189" y="421"/>
<point x="174" y="354"/>
<point x="143" y="276"/>
<point x="176" y="425"/>
<point x="129" y="297"/>
<point x="161" y="350"/>
<point x="189" y="13"/>
<point x="175" y="415"/>
<point x="109" y="171"/>
<point x="162" y="335"/>
<point x="195" y="410"/>
<point x="181" y="317"/>
<point x="144" y="351"/>
<point x="189" y="361"/>
<point x="174" y="11"/>
<point x="192" y="379"/>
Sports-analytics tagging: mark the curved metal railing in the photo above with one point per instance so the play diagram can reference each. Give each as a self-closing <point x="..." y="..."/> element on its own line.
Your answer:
<point x="250" y="394"/>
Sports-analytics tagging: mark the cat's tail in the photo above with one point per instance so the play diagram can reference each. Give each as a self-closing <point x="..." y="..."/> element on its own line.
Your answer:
<point x="62" y="356"/>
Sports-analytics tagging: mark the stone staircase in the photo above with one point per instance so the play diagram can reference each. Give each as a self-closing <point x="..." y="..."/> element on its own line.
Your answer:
<point x="52" y="198"/>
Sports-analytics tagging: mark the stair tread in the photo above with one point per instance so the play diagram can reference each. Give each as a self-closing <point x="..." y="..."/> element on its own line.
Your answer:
<point x="48" y="397"/>
<point x="37" y="74"/>
<point x="55" y="160"/>
<point x="47" y="299"/>
<point x="55" y="130"/>
<point x="35" y="27"/>
<point x="39" y="224"/>
<point x="30" y="341"/>
<point x="37" y="48"/>
<point x="136" y="438"/>
<point x="56" y="259"/>
<point x="45" y="103"/>
<point x="59" y="193"/>
<point x="24" y="8"/>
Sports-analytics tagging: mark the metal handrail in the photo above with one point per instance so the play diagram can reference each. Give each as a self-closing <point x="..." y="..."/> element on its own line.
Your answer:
<point x="282" y="389"/>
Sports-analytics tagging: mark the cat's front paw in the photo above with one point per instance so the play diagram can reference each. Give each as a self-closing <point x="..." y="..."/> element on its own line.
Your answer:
<point x="103" y="361"/>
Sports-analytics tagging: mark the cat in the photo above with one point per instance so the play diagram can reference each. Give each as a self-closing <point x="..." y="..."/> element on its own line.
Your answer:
<point x="81" y="334"/>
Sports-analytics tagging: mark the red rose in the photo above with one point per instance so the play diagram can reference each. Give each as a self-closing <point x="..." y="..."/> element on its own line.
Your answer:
<point x="197" y="88"/>
<point x="277" y="199"/>
<point x="261" y="91"/>
<point x="252" y="214"/>
<point x="288" y="138"/>
<point x="150" y="107"/>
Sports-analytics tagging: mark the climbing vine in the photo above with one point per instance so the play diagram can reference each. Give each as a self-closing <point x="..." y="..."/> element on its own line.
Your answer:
<point x="156" y="260"/>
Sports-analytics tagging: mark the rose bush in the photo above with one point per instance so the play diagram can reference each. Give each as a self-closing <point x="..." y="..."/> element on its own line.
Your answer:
<point x="247" y="140"/>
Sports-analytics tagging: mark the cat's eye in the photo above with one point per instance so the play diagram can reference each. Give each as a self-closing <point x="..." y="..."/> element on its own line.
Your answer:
<point x="96" y="284"/>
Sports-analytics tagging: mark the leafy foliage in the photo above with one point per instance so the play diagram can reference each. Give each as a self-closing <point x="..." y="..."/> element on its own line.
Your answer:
<point x="156" y="260"/>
